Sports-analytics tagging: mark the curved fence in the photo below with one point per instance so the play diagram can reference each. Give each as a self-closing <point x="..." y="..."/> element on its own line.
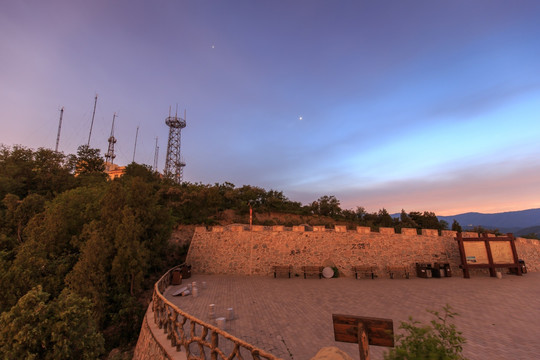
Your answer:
<point x="197" y="338"/>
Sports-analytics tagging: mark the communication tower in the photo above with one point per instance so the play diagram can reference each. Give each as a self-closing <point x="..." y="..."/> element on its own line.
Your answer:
<point x="109" y="156"/>
<point x="174" y="164"/>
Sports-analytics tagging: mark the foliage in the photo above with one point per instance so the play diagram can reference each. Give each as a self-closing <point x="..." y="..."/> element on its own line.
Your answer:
<point x="24" y="171"/>
<point x="439" y="340"/>
<point x="39" y="328"/>
<point x="481" y="230"/>
<point x="531" y="236"/>
<point x="456" y="226"/>
<point x="87" y="161"/>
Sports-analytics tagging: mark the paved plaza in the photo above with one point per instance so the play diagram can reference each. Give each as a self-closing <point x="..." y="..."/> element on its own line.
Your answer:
<point x="292" y="318"/>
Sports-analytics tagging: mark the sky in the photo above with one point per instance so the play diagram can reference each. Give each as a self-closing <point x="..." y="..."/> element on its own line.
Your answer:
<point x="414" y="105"/>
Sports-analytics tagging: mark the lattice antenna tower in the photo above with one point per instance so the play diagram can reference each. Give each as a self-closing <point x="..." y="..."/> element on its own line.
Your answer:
<point x="174" y="164"/>
<point x="109" y="156"/>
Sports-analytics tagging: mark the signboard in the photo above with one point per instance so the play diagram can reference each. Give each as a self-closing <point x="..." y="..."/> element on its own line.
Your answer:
<point x="364" y="331"/>
<point x="476" y="252"/>
<point x="488" y="253"/>
<point x="502" y="252"/>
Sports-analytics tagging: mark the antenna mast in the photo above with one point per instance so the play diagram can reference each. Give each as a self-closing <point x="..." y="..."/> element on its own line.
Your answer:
<point x="59" y="128"/>
<point x="92" y="124"/>
<point x="135" y="147"/>
<point x="156" y="155"/>
<point x="109" y="156"/>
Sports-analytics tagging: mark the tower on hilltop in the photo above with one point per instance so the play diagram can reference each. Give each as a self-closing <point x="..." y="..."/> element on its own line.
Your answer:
<point x="174" y="164"/>
<point x="109" y="156"/>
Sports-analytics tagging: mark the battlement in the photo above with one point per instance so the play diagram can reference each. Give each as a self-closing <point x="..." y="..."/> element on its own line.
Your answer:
<point x="336" y="229"/>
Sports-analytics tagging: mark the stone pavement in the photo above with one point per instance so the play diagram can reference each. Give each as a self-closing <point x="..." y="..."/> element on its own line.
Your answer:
<point x="292" y="318"/>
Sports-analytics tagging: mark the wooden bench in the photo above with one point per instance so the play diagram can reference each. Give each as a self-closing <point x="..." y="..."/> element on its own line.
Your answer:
<point x="312" y="270"/>
<point x="280" y="269"/>
<point x="365" y="270"/>
<point x="402" y="270"/>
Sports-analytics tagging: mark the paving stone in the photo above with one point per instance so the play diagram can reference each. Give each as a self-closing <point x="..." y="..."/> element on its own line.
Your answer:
<point x="292" y="318"/>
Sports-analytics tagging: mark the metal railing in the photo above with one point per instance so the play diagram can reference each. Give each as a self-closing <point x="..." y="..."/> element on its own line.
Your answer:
<point x="197" y="338"/>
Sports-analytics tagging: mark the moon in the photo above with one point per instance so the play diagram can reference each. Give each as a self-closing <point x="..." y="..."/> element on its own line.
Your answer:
<point x="300" y="118"/>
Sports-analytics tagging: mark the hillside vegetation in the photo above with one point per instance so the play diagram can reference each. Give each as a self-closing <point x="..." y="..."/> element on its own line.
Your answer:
<point x="79" y="253"/>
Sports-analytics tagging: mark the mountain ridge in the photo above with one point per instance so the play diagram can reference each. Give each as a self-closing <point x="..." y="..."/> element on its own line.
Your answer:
<point x="508" y="221"/>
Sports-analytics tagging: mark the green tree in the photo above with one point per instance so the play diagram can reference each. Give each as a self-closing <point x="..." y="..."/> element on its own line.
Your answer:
<point x="37" y="328"/>
<point x="52" y="242"/>
<point x="16" y="171"/>
<point x="18" y="213"/>
<point x="73" y="329"/>
<point x="456" y="226"/>
<point x="439" y="340"/>
<point x="23" y="329"/>
<point x="326" y="206"/>
<point x="88" y="160"/>
<point x="406" y="221"/>
<point x="24" y="171"/>
<point x="131" y="258"/>
<point x="90" y="276"/>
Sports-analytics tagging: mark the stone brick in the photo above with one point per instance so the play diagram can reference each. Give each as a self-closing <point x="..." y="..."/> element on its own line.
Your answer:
<point x="409" y="231"/>
<point x="363" y="229"/>
<point x="449" y="233"/>
<point x="387" y="230"/>
<point x="236" y="228"/>
<point x="430" y="232"/>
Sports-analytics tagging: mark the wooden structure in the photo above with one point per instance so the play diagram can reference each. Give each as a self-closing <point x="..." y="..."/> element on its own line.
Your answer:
<point x="279" y="269"/>
<point x="488" y="253"/>
<point x="365" y="271"/>
<point x="312" y="270"/>
<point x="395" y="270"/>
<point x="364" y="331"/>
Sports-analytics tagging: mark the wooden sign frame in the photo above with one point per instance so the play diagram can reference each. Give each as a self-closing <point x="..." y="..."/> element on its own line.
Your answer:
<point x="364" y="331"/>
<point x="490" y="264"/>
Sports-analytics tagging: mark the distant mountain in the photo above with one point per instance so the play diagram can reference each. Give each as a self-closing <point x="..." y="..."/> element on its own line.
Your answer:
<point x="511" y="221"/>
<point x="527" y="231"/>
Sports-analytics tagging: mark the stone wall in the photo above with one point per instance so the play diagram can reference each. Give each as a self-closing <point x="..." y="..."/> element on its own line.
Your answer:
<point x="237" y="250"/>
<point x="152" y="343"/>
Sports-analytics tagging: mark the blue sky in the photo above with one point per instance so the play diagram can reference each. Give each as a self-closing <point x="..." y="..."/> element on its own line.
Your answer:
<point x="415" y="105"/>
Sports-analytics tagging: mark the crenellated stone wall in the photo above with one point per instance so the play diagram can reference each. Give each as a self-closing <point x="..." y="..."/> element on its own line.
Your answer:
<point x="237" y="250"/>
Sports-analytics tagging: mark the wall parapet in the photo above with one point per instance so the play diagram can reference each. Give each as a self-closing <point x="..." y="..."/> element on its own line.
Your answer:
<point x="337" y="228"/>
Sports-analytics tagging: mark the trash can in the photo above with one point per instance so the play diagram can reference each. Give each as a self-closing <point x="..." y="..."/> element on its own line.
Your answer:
<point x="176" y="277"/>
<point x="447" y="270"/>
<point x="522" y="265"/>
<point x="186" y="271"/>
<point x="436" y="271"/>
<point x="423" y="270"/>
